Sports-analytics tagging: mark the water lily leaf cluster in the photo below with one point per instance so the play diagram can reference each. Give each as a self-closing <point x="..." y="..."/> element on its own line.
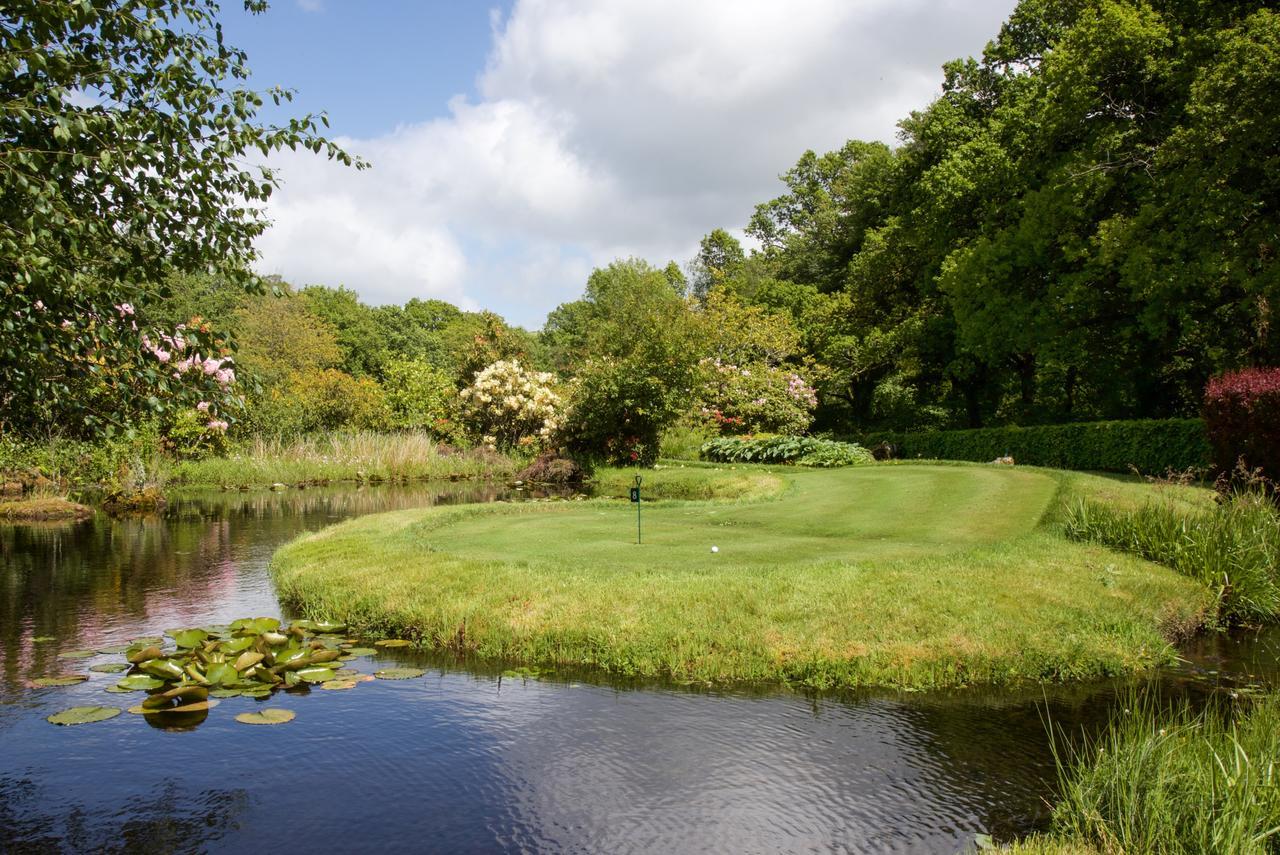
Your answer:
<point x="251" y="657"/>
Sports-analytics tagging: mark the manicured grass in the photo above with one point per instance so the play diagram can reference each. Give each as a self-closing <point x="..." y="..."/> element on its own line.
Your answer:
<point x="360" y="456"/>
<point x="891" y="575"/>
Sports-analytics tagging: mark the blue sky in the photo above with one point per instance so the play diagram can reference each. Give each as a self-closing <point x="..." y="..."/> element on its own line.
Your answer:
<point x="371" y="65"/>
<point x="515" y="147"/>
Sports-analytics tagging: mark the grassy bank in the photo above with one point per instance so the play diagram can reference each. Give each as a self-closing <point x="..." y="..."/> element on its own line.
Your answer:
<point x="1174" y="783"/>
<point x="360" y="456"/>
<point x="891" y="575"/>
<point x="40" y="508"/>
<point x="1232" y="547"/>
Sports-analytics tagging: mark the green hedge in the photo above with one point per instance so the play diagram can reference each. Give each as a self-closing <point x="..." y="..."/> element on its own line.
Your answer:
<point x="1153" y="446"/>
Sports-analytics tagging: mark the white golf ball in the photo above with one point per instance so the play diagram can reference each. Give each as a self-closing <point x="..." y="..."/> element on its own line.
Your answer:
<point x="715" y="549"/>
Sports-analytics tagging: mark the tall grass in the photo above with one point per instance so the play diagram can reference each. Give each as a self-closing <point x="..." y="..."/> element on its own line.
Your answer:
<point x="1175" y="782"/>
<point x="1233" y="548"/>
<point x="359" y="456"/>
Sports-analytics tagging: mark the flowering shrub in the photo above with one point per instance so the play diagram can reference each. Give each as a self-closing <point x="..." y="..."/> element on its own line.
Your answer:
<point x="754" y="398"/>
<point x="191" y="434"/>
<point x="507" y="406"/>
<point x="1242" y="417"/>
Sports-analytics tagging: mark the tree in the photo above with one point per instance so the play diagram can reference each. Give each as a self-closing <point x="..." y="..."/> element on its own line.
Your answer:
<point x="639" y="364"/>
<point x="125" y="130"/>
<point x="720" y="257"/>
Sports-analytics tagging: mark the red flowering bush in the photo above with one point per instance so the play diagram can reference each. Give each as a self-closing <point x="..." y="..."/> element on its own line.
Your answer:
<point x="1242" y="417"/>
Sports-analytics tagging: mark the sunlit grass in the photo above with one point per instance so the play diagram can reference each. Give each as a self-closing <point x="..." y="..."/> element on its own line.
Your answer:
<point x="1175" y="783"/>
<point x="364" y="455"/>
<point x="897" y="575"/>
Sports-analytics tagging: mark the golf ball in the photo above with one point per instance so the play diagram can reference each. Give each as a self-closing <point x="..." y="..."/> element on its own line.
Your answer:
<point x="715" y="549"/>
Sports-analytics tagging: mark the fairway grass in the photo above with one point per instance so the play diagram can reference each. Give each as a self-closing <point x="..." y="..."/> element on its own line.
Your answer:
<point x="912" y="576"/>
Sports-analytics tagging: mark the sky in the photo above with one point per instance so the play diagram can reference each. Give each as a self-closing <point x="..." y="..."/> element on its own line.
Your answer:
<point x="516" y="147"/>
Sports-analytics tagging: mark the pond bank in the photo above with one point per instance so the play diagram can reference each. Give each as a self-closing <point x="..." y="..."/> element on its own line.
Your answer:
<point x="904" y="576"/>
<point x="41" y="508"/>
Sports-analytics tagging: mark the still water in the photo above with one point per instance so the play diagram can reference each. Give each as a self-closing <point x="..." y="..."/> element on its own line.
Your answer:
<point x="464" y="760"/>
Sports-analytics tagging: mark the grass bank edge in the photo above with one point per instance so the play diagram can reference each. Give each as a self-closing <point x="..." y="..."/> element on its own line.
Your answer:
<point x="1088" y="644"/>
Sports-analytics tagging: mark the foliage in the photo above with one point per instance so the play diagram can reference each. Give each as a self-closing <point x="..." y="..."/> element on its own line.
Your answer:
<point x="1233" y="549"/>
<point x="125" y="133"/>
<point x="1242" y="417"/>
<point x="1081" y="227"/>
<point x="1154" y="446"/>
<point x="800" y="450"/>
<point x="1173" y="781"/>
<point x="683" y="441"/>
<point x="637" y="366"/>
<point x="418" y="394"/>
<point x="754" y="398"/>
<point x="188" y="435"/>
<point x="508" y="407"/>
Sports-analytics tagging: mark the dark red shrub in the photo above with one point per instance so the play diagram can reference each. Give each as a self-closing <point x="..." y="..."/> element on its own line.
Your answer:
<point x="1242" y="418"/>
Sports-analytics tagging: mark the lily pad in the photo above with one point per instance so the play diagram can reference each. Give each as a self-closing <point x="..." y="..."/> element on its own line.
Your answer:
<point x="139" y="683"/>
<point x="111" y="651"/>
<point x="51" y="682"/>
<point x="109" y="667"/>
<point x="338" y="685"/>
<point x="315" y="675"/>
<point x="188" y="638"/>
<point x="146" y="641"/>
<point x="43" y="639"/>
<point x="360" y="651"/>
<point x="273" y="715"/>
<point x="264" y="692"/>
<point x="83" y="715"/>
<point x="345" y="673"/>
<point x="77" y="654"/>
<point x="328" y="628"/>
<point x="116" y="690"/>
<point x="392" y="642"/>
<point x="398" y="673"/>
<point x="226" y="693"/>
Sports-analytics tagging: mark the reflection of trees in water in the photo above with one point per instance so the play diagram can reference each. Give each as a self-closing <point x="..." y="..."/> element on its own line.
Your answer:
<point x="34" y="819"/>
<point x="79" y="582"/>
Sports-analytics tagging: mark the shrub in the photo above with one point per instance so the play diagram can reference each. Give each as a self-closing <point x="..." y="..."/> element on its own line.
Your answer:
<point x="507" y="406"/>
<point x="754" y="398"/>
<point x="193" y="433"/>
<point x="1234" y="548"/>
<point x="1154" y="446"/>
<point x="550" y="468"/>
<point x="418" y="394"/>
<point x="799" y="450"/>
<point x="617" y="412"/>
<point x="1242" y="417"/>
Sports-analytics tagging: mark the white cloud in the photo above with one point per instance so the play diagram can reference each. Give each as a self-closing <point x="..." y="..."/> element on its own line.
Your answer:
<point x="607" y="129"/>
<point x="311" y="5"/>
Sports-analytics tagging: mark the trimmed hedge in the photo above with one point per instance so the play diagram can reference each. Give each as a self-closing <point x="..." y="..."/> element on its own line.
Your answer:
<point x="1153" y="446"/>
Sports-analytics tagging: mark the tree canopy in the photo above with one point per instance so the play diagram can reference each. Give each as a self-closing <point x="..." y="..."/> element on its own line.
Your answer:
<point x="126" y="139"/>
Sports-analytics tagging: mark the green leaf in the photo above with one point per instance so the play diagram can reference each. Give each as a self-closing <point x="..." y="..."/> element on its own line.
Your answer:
<point x="272" y="715"/>
<point x="83" y="715"/>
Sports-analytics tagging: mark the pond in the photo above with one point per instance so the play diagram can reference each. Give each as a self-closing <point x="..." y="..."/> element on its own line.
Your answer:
<point x="465" y="759"/>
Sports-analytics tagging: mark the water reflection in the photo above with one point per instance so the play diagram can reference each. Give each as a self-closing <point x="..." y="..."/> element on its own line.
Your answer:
<point x="465" y="760"/>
